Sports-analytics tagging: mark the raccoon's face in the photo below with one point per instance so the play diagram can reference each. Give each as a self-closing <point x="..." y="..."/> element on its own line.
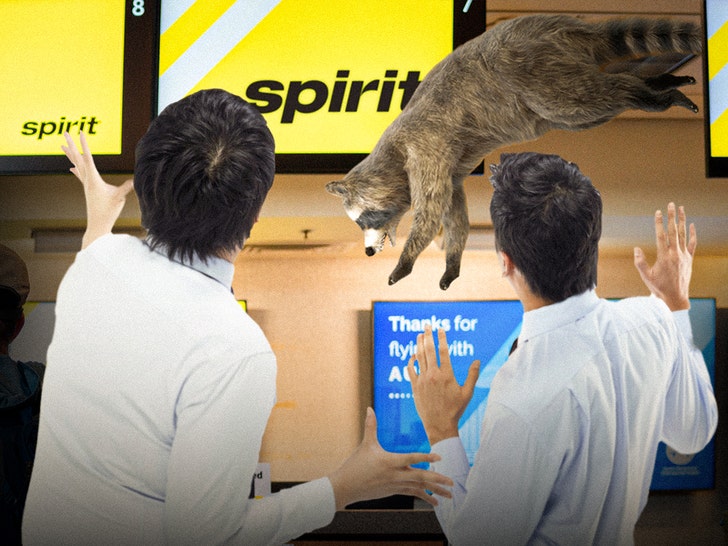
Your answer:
<point x="377" y="222"/>
<point x="377" y="225"/>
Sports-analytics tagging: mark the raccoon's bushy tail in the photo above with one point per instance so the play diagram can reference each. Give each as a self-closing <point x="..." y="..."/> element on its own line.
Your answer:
<point x="641" y="37"/>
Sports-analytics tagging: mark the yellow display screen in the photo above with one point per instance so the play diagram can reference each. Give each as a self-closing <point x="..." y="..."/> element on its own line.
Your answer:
<point x="65" y="65"/>
<point x="329" y="76"/>
<point x="716" y="26"/>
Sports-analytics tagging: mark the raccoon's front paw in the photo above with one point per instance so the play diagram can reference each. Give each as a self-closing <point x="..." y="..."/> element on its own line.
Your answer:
<point x="447" y="278"/>
<point x="401" y="271"/>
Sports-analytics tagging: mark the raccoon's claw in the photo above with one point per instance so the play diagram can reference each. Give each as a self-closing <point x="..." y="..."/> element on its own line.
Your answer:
<point x="690" y="105"/>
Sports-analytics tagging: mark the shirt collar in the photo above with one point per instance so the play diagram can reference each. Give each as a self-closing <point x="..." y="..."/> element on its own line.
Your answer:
<point x="554" y="316"/>
<point x="218" y="269"/>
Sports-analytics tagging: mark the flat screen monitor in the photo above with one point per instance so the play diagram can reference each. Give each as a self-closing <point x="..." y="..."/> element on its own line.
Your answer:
<point x="329" y="76"/>
<point x="76" y="65"/>
<point x="483" y="330"/>
<point x="715" y="14"/>
<point x="486" y="330"/>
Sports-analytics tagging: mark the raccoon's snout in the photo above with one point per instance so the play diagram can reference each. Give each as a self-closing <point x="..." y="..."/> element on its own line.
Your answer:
<point x="374" y="241"/>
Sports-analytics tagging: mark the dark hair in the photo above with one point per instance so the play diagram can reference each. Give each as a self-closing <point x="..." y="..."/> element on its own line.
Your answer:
<point x="202" y="172"/>
<point x="547" y="217"/>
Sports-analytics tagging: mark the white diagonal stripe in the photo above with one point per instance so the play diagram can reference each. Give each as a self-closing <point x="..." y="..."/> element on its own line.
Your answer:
<point x="171" y="11"/>
<point x="216" y="42"/>
<point x="718" y="98"/>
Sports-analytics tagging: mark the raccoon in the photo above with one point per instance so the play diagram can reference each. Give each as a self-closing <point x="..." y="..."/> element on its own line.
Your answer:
<point x="513" y="83"/>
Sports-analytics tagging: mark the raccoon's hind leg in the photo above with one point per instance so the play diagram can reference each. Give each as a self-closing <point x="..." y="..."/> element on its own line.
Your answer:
<point x="456" y="226"/>
<point x="601" y="96"/>
<point x="659" y="101"/>
<point x="430" y="193"/>
<point x="653" y="94"/>
<point x="668" y="81"/>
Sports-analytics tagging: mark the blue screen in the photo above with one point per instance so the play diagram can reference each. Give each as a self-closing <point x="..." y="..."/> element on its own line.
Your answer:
<point x="485" y="331"/>
<point x="476" y="330"/>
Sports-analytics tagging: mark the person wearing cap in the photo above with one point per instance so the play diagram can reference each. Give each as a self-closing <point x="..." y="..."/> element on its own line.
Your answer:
<point x="20" y="388"/>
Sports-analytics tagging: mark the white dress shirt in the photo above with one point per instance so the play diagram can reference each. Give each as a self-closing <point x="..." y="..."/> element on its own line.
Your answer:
<point x="573" y="422"/>
<point x="157" y="393"/>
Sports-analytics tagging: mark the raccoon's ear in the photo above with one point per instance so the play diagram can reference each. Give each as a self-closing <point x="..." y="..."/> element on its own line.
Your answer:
<point x="337" y="187"/>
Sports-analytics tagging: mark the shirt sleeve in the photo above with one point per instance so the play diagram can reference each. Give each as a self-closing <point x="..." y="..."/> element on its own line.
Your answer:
<point x="453" y="464"/>
<point x="691" y="412"/>
<point x="289" y="513"/>
<point x="222" y="415"/>
<point x="512" y="464"/>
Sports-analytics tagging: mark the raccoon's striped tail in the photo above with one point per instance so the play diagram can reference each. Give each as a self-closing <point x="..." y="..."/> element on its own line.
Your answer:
<point x="639" y="37"/>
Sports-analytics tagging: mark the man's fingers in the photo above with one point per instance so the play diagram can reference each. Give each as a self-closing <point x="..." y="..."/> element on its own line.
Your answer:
<point x="86" y="151"/>
<point x="660" y="236"/>
<point x="681" y="229"/>
<point x="428" y="345"/>
<point x="425" y="496"/>
<point x="370" y="428"/>
<point x="126" y="187"/>
<point x="406" y="460"/>
<point x="70" y="149"/>
<point x="693" y="241"/>
<point x="427" y="479"/>
<point x="412" y="371"/>
<point x="420" y="355"/>
<point x="442" y="349"/>
<point x="640" y="262"/>
<point x="472" y="378"/>
<point x="75" y="157"/>
<point x="429" y="499"/>
<point x="672" y="231"/>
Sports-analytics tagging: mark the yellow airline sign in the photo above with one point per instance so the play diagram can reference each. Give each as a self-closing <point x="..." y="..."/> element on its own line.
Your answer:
<point x="62" y="65"/>
<point x="329" y="76"/>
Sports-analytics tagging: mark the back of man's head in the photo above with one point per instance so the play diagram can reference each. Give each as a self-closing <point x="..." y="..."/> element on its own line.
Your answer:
<point x="14" y="288"/>
<point x="202" y="172"/>
<point x="547" y="217"/>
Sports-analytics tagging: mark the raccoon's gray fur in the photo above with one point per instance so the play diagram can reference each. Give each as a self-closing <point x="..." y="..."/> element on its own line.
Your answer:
<point x="513" y="83"/>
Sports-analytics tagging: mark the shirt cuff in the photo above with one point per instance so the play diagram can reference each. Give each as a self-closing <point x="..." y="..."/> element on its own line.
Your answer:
<point x="320" y="505"/>
<point x="682" y="320"/>
<point x="454" y="461"/>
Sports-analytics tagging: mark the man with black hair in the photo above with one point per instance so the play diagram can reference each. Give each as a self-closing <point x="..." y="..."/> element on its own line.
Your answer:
<point x="575" y="415"/>
<point x="159" y="386"/>
<point x="20" y="390"/>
